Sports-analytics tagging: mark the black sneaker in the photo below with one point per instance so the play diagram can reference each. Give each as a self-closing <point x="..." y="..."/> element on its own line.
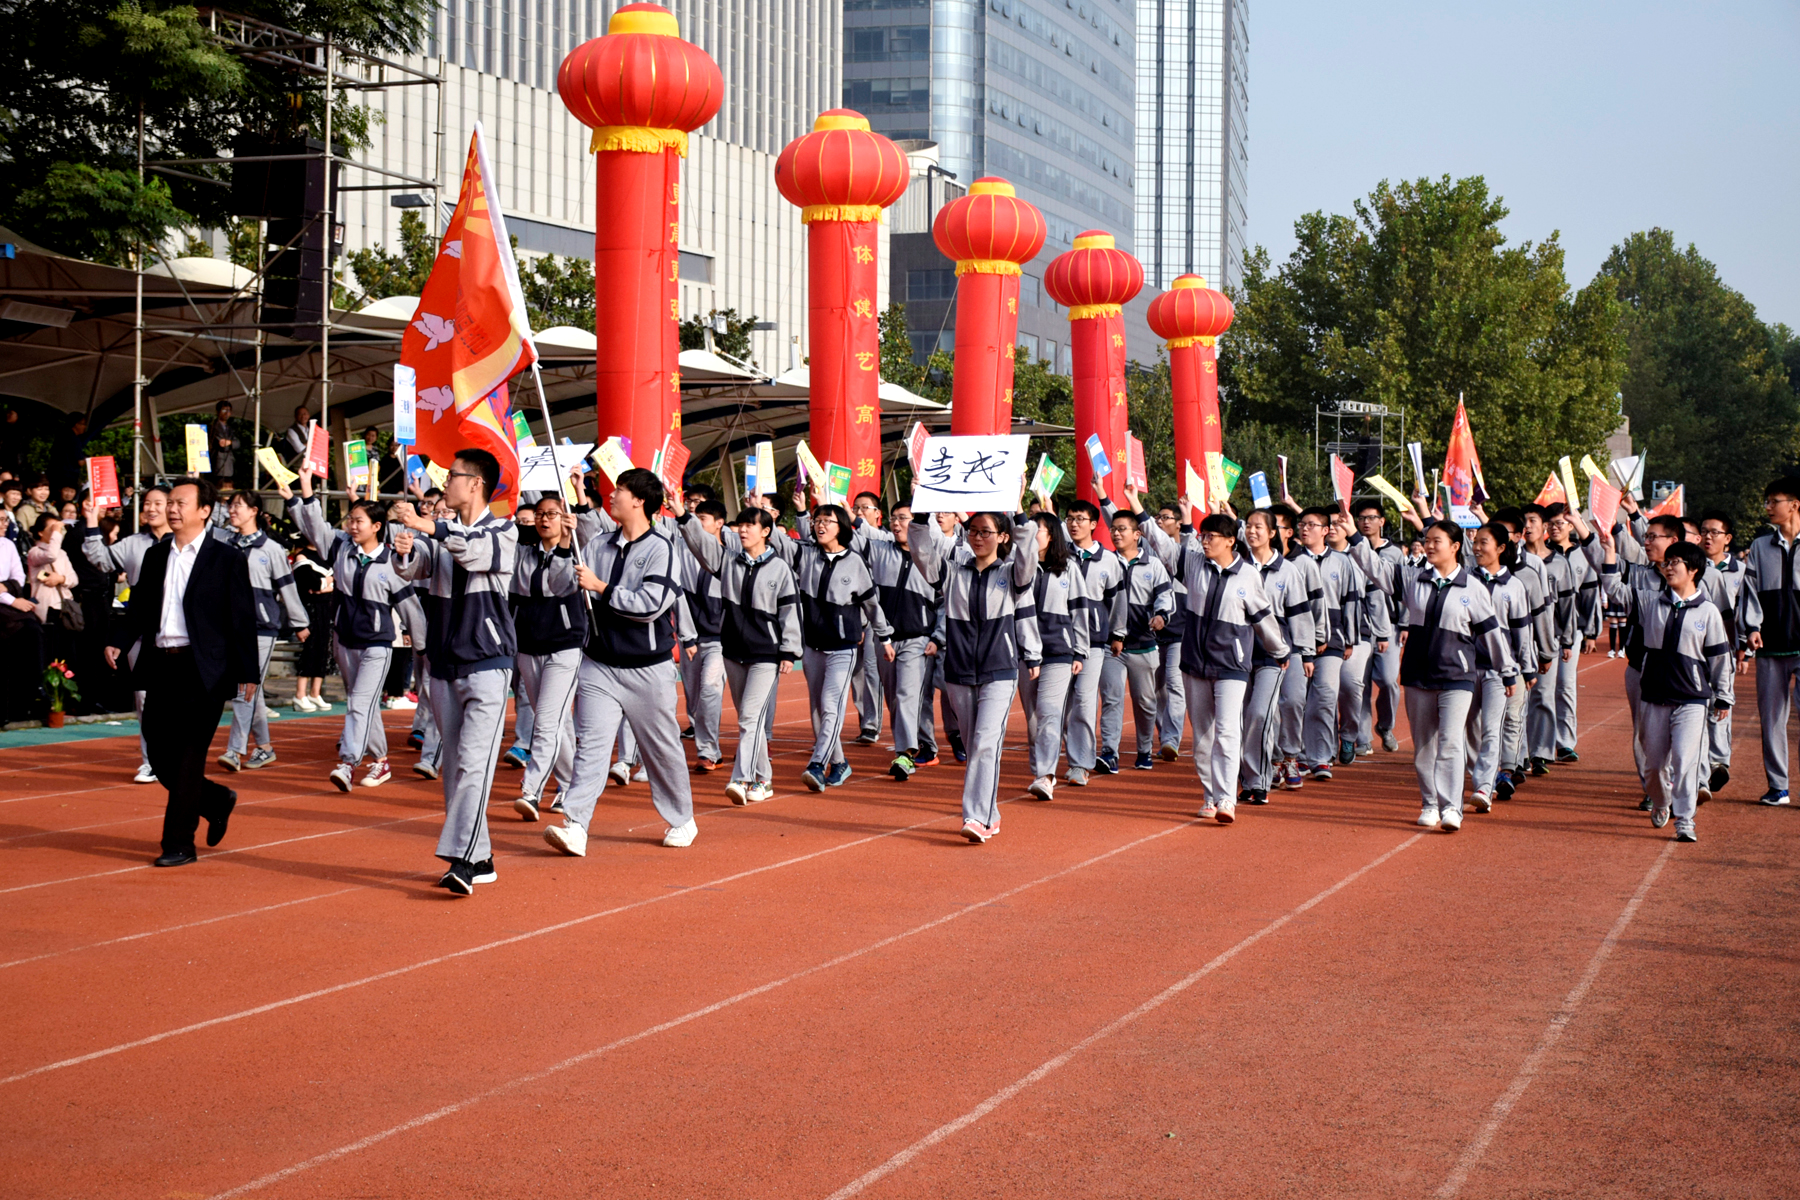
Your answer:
<point x="956" y="748"/>
<point x="1107" y="762"/>
<point x="484" y="871"/>
<point x="1346" y="753"/>
<point x="459" y="880"/>
<point x="1540" y="767"/>
<point x="1503" y="786"/>
<point x="1144" y="762"/>
<point x="1716" y="782"/>
<point x="687" y="735"/>
<point x="1257" y="796"/>
<point x="1644" y="804"/>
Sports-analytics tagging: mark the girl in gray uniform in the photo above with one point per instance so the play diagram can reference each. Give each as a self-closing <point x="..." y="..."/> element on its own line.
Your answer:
<point x="984" y="583"/>
<point x="759" y="633"/>
<point x="910" y="605"/>
<point x="1492" y="548"/>
<point x="368" y="587"/>
<point x="551" y="622"/>
<point x="1284" y="583"/>
<point x="1055" y="614"/>
<point x="276" y="595"/>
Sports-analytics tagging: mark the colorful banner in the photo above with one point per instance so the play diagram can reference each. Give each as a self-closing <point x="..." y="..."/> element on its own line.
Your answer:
<point x="1552" y="492"/>
<point x="1343" y="480"/>
<point x="1603" y="501"/>
<point x="1135" y="474"/>
<point x="837" y="484"/>
<point x="1461" y="466"/>
<point x="1674" y="506"/>
<point x="356" y="464"/>
<point x="199" y="455"/>
<point x="972" y="474"/>
<point x="1046" y="479"/>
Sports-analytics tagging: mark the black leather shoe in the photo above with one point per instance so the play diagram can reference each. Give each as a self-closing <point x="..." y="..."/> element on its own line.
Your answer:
<point x="178" y="858"/>
<point x="215" y="826"/>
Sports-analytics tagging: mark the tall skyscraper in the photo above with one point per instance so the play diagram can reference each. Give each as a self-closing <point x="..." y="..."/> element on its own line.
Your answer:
<point x="1192" y="101"/>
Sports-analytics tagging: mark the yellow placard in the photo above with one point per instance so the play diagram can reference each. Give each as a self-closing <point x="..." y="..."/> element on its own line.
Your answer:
<point x="1215" y="475"/>
<point x="439" y="476"/>
<point x="1390" y="491"/>
<point x="1593" y="470"/>
<point x="277" y="469"/>
<point x="199" y="458"/>
<point x="1566" y="472"/>
<point x="611" y="458"/>
<point x="809" y="461"/>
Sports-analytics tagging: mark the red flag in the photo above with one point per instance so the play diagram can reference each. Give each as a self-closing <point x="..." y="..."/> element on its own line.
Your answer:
<point x="1553" y="492"/>
<point x="1343" y="479"/>
<point x="1603" y="501"/>
<point x="470" y="334"/>
<point x="1674" y="506"/>
<point x="1462" y="466"/>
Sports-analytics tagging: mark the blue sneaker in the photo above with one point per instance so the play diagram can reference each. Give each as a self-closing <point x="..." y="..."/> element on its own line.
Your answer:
<point x="1346" y="752"/>
<point x="518" y="757"/>
<point x="814" y="777"/>
<point x="1774" y="796"/>
<point x="838" y="774"/>
<point x="1107" y="762"/>
<point x="1144" y="762"/>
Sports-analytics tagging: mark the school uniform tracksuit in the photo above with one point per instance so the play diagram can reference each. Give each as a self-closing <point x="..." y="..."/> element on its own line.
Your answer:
<point x="1542" y="715"/>
<point x="1488" y="713"/>
<point x="1380" y="710"/>
<point x="1145" y="595"/>
<point x="1171" y="710"/>
<point x="838" y="600"/>
<point x="1341" y="585"/>
<point x="1372" y="625"/>
<point x="1284" y="583"/>
<point x="550" y="621"/>
<point x="1102" y="575"/>
<point x="127" y="555"/>
<point x="277" y="596"/>
<point x="702" y="671"/>
<point x="1290" y="733"/>
<point x="910" y="604"/>
<point x="1059" y="638"/>
<point x="1770" y="606"/>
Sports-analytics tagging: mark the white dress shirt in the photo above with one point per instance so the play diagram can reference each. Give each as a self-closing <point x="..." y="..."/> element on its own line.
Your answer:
<point x="173" y="630"/>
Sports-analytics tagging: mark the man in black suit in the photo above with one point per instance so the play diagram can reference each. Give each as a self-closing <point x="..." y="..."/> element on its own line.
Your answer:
<point x="194" y="612"/>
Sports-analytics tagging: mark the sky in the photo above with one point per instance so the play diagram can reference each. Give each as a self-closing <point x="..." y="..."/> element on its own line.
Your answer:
<point x="1593" y="119"/>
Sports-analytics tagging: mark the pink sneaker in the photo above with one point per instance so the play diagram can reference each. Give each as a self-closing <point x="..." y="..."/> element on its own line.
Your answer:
<point x="975" y="831"/>
<point x="1208" y="812"/>
<point x="378" y="774"/>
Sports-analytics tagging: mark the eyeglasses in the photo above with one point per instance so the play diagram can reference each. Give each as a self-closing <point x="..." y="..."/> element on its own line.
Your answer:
<point x="1715" y="533"/>
<point x="1312" y="524"/>
<point x="1659" y="536"/>
<point x="461" y="475"/>
<point x="1080" y="519"/>
<point x="1208" y="536"/>
<point x="981" y="533"/>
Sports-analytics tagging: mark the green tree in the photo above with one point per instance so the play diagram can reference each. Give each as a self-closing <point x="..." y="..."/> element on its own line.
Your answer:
<point x="897" y="365"/>
<point x="381" y="272"/>
<point x="558" y="291"/>
<point x="733" y="343"/>
<point x="1708" y="387"/>
<point x="1413" y="300"/>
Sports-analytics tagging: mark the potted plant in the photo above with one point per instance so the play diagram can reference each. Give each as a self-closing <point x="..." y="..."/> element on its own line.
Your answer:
<point x="59" y="682"/>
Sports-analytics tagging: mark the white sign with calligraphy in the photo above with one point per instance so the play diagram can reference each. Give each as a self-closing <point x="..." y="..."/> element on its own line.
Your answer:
<point x="971" y="474"/>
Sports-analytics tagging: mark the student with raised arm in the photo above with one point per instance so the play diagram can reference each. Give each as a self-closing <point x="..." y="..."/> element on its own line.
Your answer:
<point x="1640" y="566"/>
<point x="911" y="606"/>
<point x="127" y="556"/>
<point x="1368" y="618"/>
<point x="1055" y="655"/>
<point x="1770" y="620"/>
<point x="1379" y="710"/>
<point x="759" y="632"/>
<point x="1102" y="574"/>
<point x="551" y="623"/>
<point x="1161" y="538"/>
<point x="1142" y="607"/>
<point x="1559" y="593"/>
<point x="1447" y="613"/>
<point x="1727" y="574"/>
<point x="1492" y="548"/>
<point x="984" y="583"/>
<point x="1290" y="706"/>
<point x="278" y="601"/>
<point x="368" y="587"/>
<point x="1284" y="583"/>
<point x="1341" y="587"/>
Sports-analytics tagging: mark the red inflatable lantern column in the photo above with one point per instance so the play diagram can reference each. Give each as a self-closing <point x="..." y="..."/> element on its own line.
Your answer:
<point x="641" y="89"/>
<point x="1190" y="316"/>
<point x="1094" y="280"/>
<point x="988" y="234"/>
<point x="841" y="176"/>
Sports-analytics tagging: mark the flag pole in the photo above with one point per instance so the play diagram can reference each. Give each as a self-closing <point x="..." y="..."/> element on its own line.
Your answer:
<point x="537" y="377"/>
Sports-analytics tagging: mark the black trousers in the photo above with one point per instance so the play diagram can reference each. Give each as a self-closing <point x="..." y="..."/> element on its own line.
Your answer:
<point x="180" y="718"/>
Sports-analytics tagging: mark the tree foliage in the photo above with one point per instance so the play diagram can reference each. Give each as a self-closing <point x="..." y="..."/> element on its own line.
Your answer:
<point x="381" y="272"/>
<point x="733" y="343"/>
<point x="1413" y="300"/>
<point x="1710" y="389"/>
<point x="558" y="291"/>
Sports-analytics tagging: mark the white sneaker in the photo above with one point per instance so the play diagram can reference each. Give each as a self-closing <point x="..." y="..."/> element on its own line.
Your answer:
<point x="681" y="835"/>
<point x="1450" y="820"/>
<point x="526" y="806"/>
<point x="620" y="773"/>
<point x="340" y="775"/>
<point x="1208" y="811"/>
<point x="760" y="792"/>
<point x="144" y="775"/>
<point x="1428" y="817"/>
<point x="1043" y="787"/>
<point x="640" y="776"/>
<point x="570" y="839"/>
<point x="1483" y="801"/>
<point x="402" y="703"/>
<point x="307" y="704"/>
<point x="738" y="792"/>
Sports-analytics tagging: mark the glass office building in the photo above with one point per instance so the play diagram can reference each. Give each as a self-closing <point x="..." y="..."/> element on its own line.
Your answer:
<point x="1192" y="97"/>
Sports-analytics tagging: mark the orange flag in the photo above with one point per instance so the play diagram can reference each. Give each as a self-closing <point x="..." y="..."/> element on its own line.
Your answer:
<point x="470" y="334"/>
<point x="1462" y="466"/>
<point x="1553" y="492"/>
<point x="1674" y="506"/>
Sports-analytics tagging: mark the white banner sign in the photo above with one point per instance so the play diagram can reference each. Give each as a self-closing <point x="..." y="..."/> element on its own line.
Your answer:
<point x="547" y="468"/>
<point x="971" y="474"/>
<point x="406" y="404"/>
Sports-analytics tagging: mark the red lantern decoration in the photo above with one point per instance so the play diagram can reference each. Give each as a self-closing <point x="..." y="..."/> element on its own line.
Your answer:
<point x="1190" y="317"/>
<point x="841" y="175"/>
<point x="988" y="234"/>
<point x="641" y="89"/>
<point x="1094" y="280"/>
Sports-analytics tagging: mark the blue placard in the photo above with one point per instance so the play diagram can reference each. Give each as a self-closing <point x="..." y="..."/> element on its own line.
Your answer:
<point x="1259" y="489"/>
<point x="1097" y="456"/>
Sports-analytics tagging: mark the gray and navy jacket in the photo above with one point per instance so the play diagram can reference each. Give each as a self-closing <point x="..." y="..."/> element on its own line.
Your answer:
<point x="469" y="625"/>
<point x="700" y="588"/>
<point x="272" y="585"/>
<point x="1146" y="594"/>
<point x="547" y="609"/>
<point x="368" y="587"/>
<point x="126" y="554"/>
<point x="1055" y="615"/>
<point x="1542" y="645"/>
<point x="838" y="596"/>
<point x="1585" y="579"/>
<point x="1559" y="597"/>
<point x="1341" y="584"/>
<point x="1102" y="575"/>
<point x="760" y="617"/>
<point x="1226" y="610"/>
<point x="1446" y="617"/>
<point x="1687" y="656"/>
<point x="1727" y="592"/>
<point x="635" y="622"/>
<point x="1769" y="604"/>
<point x="1284" y="583"/>
<point x="1369" y="617"/>
<point x="908" y="601"/>
<point x="1173" y="553"/>
<point x="1512" y="608"/>
<point x="982" y="638"/>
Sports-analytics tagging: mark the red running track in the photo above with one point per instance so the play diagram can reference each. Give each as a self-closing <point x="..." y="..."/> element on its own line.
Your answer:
<point x="833" y="995"/>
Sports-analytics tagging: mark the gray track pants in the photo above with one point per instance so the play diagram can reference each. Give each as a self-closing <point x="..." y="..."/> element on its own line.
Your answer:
<point x="1675" y="749"/>
<point x="1113" y="686"/>
<point x="250" y="718"/>
<point x="1216" y="707"/>
<point x="1290" y="710"/>
<point x="1512" y="729"/>
<point x="1045" y="699"/>
<point x="865" y="685"/>
<point x="1383" y="705"/>
<point x="1775" y="682"/>
<point x="1568" y="684"/>
<point x="1486" y="731"/>
<point x="1133" y="674"/>
<point x="1171" y="711"/>
<point x="1261" y="720"/>
<point x="1353" y="695"/>
<point x="550" y="679"/>
<point x="828" y="674"/>
<point x="982" y="712"/>
<point x="472" y="713"/>
<point x="1438" y="720"/>
<point x="1083" y="723"/>
<point x="524" y="716"/>
<point x="364" y="671"/>
<point x="1540" y="710"/>
<point x="1718" y="742"/>
<point x="1319" y="738"/>
<point x="1634" y="704"/>
<point x="703" y="686"/>
<point x="754" y="690"/>
<point x="903" y="683"/>
<point x="425" y="721"/>
<point x="602" y="699"/>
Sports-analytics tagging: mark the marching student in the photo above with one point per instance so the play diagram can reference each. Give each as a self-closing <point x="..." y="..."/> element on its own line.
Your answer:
<point x="1513" y="765"/>
<point x="276" y="595"/>
<point x="950" y="525"/>
<point x="1727" y="574"/>
<point x="1368" y="621"/>
<point x="1448" y="613"/>
<point x="759" y="632"/>
<point x="1640" y="566"/>
<point x="1102" y="575"/>
<point x="1495" y="695"/>
<point x="702" y="668"/>
<point x="1341" y="585"/>
<point x="368" y="587"/>
<point x="865" y="684"/>
<point x="1161" y="539"/>
<point x="1284" y="583"/>
<point x="1558" y="584"/>
<point x="911" y="606"/>
<point x="1291" y="704"/>
<point x="1686" y="675"/>
<point x="1379" y="710"/>
<point x="469" y="555"/>
<point x="1055" y="653"/>
<point x="1227" y="615"/>
<point x="550" y="622"/>
<point x="838" y="599"/>
<point x="984" y="583"/>
<point x="127" y="555"/>
<point x="1142" y="607"/>
<point x="1771" y="627"/>
<point x="518" y="755"/>
<point x="1586" y="579"/>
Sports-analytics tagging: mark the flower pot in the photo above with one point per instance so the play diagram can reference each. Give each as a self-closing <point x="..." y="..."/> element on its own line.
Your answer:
<point x="55" y="720"/>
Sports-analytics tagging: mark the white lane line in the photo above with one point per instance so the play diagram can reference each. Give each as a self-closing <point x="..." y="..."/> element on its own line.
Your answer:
<point x="53" y="795"/>
<point x="1553" y="1032"/>
<point x="761" y="989"/>
<point x="132" y="937"/>
<point x="274" y="1005"/>
<point x="1000" y="1097"/>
